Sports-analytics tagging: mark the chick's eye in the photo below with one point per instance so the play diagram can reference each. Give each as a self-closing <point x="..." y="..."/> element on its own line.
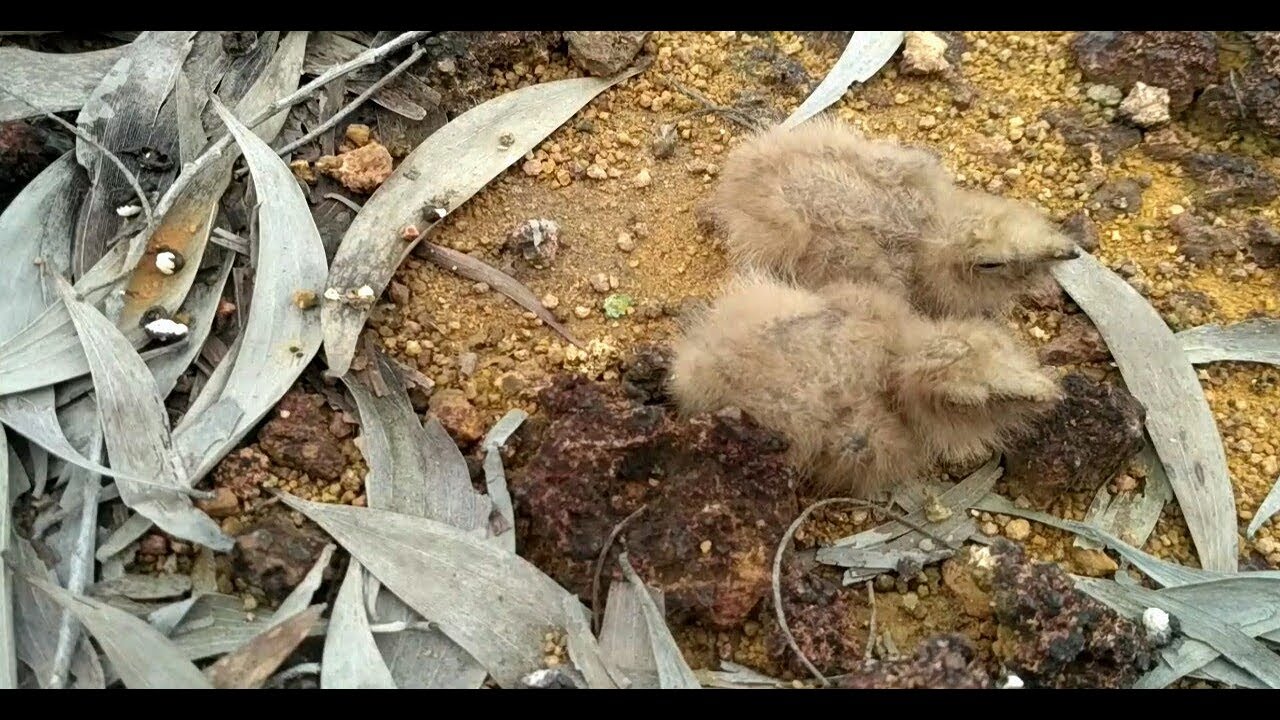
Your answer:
<point x="990" y="266"/>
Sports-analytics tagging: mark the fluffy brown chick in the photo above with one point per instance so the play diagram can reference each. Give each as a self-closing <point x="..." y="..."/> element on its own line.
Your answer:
<point x="821" y="203"/>
<point x="866" y="390"/>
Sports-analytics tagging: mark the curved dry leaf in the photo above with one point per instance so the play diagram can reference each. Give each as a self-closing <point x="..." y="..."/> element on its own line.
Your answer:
<point x="1249" y="341"/>
<point x="36" y="624"/>
<point x="56" y="82"/>
<point x="299" y="598"/>
<point x="202" y="306"/>
<point x="450" y="166"/>
<point x="8" y="640"/>
<point x="1131" y="515"/>
<point x="250" y="666"/>
<point x="351" y="659"/>
<point x="136" y="428"/>
<point x="1269" y="507"/>
<point x="1179" y="420"/>
<point x="139" y="654"/>
<point x="283" y="332"/>
<point x="494" y="604"/>
<point x="866" y="53"/>
<point x="669" y="664"/>
<point x="495" y="477"/>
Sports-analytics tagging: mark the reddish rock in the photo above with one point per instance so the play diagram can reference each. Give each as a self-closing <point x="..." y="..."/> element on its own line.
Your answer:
<point x="1182" y="62"/>
<point x="224" y="503"/>
<point x="274" y="554"/>
<point x="458" y="415"/>
<point x="826" y="620"/>
<point x="154" y="544"/>
<point x="1199" y="241"/>
<point x="1081" y="137"/>
<point x="1227" y="180"/>
<point x="1116" y="198"/>
<point x="942" y="662"/>
<point x="360" y="170"/>
<point x="536" y="240"/>
<point x="1052" y="635"/>
<point x="717" y="491"/>
<point x="243" y="472"/>
<point x="299" y="436"/>
<point x="1164" y="144"/>
<point x="604" y="52"/>
<point x="1086" y="441"/>
<point x="1077" y="341"/>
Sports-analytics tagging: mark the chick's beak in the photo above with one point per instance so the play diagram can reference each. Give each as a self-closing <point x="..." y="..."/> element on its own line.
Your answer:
<point x="1070" y="254"/>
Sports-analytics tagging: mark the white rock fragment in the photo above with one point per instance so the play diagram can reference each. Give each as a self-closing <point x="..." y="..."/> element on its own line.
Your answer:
<point x="1013" y="682"/>
<point x="1105" y="95"/>
<point x="365" y="293"/>
<point x="1146" y="106"/>
<point x="165" y="329"/>
<point x="981" y="557"/>
<point x="128" y="211"/>
<point x="333" y="294"/>
<point x="1156" y="621"/>
<point x="166" y="262"/>
<point x="924" y="53"/>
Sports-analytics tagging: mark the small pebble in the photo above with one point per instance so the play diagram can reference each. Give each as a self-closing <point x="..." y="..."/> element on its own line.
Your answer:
<point x="642" y="178"/>
<point x="550" y="302"/>
<point x="582" y="311"/>
<point x="626" y="243"/>
<point x="1018" y="529"/>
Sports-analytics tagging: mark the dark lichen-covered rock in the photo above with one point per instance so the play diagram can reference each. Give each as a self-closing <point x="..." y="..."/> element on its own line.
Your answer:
<point x="300" y="437"/>
<point x="1199" y="240"/>
<point x="1227" y="180"/>
<point x="942" y="662"/>
<point x="1082" y="230"/>
<point x="1263" y="242"/>
<point x="644" y="376"/>
<point x="1077" y="341"/>
<point x="717" y="491"/>
<point x="1052" y="635"/>
<point x="1181" y="62"/>
<point x="1082" y="138"/>
<point x="604" y="53"/>
<point x="826" y="619"/>
<point x="274" y="554"/>
<point x="1115" y="198"/>
<point x="1087" y="440"/>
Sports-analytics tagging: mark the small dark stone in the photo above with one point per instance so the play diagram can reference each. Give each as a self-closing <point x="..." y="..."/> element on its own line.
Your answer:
<point x="1181" y="62"/>
<point x="604" y="53"/>
<point x="274" y="555"/>
<point x="1077" y="341"/>
<point x="1115" y="198"/>
<point x="941" y="662"/>
<point x="1054" y="636"/>
<point x="1086" y="441"/>
<point x="645" y="375"/>
<point x="1080" y="136"/>
<point x="239" y="42"/>
<point x="25" y="150"/>
<point x="299" y="437"/>
<point x="1082" y="230"/>
<point x="1199" y="241"/>
<point x="1264" y="243"/>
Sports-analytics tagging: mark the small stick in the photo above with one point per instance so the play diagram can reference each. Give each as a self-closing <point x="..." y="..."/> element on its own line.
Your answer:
<point x="355" y="206"/>
<point x="129" y="176"/>
<point x="711" y="107"/>
<point x="599" y="568"/>
<point x="871" y="631"/>
<point x="337" y="117"/>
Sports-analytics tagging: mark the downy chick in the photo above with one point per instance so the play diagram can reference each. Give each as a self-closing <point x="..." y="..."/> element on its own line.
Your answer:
<point x="866" y="390"/>
<point x="821" y="203"/>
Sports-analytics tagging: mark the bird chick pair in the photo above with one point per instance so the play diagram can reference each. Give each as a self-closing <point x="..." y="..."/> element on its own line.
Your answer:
<point x="865" y="324"/>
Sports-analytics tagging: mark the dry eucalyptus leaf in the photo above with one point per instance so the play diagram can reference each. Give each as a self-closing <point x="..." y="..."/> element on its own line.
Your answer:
<point x="450" y="166"/>
<point x="1249" y="341"/>
<point x="1179" y="420"/>
<point x="351" y="659"/>
<point x="496" y="605"/>
<point x="56" y="82"/>
<point x="866" y="53"/>
<point x="250" y="666"/>
<point x="1269" y="507"/>
<point x="669" y="664"/>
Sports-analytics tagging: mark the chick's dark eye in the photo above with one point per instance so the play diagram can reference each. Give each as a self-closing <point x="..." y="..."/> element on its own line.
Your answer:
<point x="990" y="266"/>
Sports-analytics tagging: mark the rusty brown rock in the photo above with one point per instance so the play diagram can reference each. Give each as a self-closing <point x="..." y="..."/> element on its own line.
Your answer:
<point x="1115" y="198"/>
<point x="274" y="554"/>
<point x="299" y="436"/>
<point x="945" y="661"/>
<point x="1087" y="440"/>
<point x="1077" y="341"/>
<point x="1227" y="180"/>
<point x="224" y="503"/>
<point x="154" y="544"/>
<point x="1182" y="62"/>
<point x="1264" y="243"/>
<point x="825" y="618"/>
<point x="1082" y="230"/>
<point x="360" y="170"/>
<point x="1052" y="635"/>
<point x="243" y="472"/>
<point x="536" y="240"/>
<point x="1081" y="137"/>
<point x="458" y="415"/>
<point x="1164" y="144"/>
<point x="717" y="491"/>
<point x="604" y="52"/>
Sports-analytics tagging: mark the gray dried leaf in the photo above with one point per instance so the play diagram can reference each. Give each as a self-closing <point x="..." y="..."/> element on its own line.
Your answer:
<point x="1269" y="507"/>
<point x="141" y="656"/>
<point x="8" y="641"/>
<point x="143" y="587"/>
<point x="494" y="604"/>
<point x="76" y="539"/>
<point x="190" y="100"/>
<point x="36" y="620"/>
<point x="249" y="666"/>
<point x="166" y="619"/>
<point x="283" y="331"/>
<point x="1131" y="516"/>
<point x="863" y="57"/>
<point x="1249" y="341"/>
<point x="56" y="82"/>
<point x="202" y="305"/>
<point x="328" y="49"/>
<point x="1200" y="624"/>
<point x="417" y="471"/>
<point x="32" y="415"/>
<point x="299" y="598"/>
<point x="351" y="659"/>
<point x="127" y="112"/>
<point x="495" y="478"/>
<point x="135" y="426"/>
<point x="624" y="635"/>
<point x="733" y="676"/>
<point x="215" y="625"/>
<point x="477" y="270"/>
<point x="1179" y="420"/>
<point x="669" y="664"/>
<point x="448" y="168"/>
